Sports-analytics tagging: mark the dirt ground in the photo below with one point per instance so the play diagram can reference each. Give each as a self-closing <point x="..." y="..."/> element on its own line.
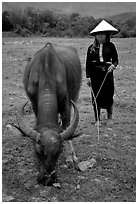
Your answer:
<point x="113" y="177"/>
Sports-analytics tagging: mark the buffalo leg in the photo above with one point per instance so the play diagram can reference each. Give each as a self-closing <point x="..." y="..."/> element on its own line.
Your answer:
<point x="70" y="155"/>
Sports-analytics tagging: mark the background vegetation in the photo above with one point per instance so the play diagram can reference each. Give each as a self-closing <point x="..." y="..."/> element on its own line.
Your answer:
<point x="31" y="21"/>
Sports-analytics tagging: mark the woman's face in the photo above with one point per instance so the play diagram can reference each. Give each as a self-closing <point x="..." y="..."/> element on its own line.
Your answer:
<point x="100" y="37"/>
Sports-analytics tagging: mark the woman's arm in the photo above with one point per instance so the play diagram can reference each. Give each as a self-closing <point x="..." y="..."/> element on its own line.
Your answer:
<point x="114" y="55"/>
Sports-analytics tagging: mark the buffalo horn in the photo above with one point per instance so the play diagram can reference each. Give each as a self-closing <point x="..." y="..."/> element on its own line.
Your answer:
<point x="68" y="133"/>
<point x="27" y="131"/>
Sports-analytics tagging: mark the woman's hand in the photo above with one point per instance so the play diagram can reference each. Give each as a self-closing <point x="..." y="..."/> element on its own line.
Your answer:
<point x="111" y="68"/>
<point x="88" y="81"/>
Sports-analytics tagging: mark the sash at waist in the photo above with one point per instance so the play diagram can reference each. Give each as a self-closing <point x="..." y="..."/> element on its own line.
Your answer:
<point x="103" y="66"/>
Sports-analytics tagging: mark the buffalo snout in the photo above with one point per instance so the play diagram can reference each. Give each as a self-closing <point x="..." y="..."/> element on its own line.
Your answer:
<point x="47" y="179"/>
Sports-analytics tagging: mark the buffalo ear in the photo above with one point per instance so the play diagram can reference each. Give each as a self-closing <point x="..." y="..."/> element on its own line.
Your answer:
<point x="76" y="135"/>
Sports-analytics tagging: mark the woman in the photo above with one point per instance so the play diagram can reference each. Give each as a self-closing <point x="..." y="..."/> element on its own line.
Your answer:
<point x="101" y="61"/>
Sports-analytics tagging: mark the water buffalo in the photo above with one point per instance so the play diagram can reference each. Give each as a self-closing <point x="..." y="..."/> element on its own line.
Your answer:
<point x="52" y="80"/>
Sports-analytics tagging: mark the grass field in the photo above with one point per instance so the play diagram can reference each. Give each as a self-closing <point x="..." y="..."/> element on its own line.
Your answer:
<point x="113" y="177"/>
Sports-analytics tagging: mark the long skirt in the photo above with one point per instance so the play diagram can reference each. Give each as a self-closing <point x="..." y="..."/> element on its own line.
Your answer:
<point x="105" y="97"/>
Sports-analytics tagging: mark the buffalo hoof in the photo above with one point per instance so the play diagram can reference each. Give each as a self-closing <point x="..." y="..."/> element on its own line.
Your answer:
<point x="72" y="162"/>
<point x="46" y="180"/>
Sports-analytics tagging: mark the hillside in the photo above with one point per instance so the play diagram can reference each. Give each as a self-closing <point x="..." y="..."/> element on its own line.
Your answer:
<point x="95" y="9"/>
<point x="123" y="17"/>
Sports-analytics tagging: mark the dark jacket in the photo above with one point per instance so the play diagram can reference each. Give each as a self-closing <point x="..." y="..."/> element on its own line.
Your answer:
<point x="109" y="55"/>
<point x="97" y="70"/>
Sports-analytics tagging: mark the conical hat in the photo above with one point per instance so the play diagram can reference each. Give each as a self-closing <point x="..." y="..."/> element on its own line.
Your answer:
<point x="102" y="27"/>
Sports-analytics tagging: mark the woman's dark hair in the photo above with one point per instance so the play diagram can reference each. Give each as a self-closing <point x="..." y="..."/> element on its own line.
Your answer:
<point x="96" y="44"/>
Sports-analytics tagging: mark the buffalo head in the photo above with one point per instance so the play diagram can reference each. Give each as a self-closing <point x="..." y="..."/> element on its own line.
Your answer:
<point x="48" y="144"/>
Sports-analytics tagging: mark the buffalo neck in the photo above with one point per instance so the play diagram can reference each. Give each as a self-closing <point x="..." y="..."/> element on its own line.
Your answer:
<point x="47" y="109"/>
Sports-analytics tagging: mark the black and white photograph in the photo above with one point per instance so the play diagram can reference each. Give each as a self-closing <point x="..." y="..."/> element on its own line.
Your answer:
<point x="68" y="101"/>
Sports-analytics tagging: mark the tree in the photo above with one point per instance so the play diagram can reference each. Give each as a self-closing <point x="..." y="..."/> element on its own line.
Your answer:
<point x="6" y="24"/>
